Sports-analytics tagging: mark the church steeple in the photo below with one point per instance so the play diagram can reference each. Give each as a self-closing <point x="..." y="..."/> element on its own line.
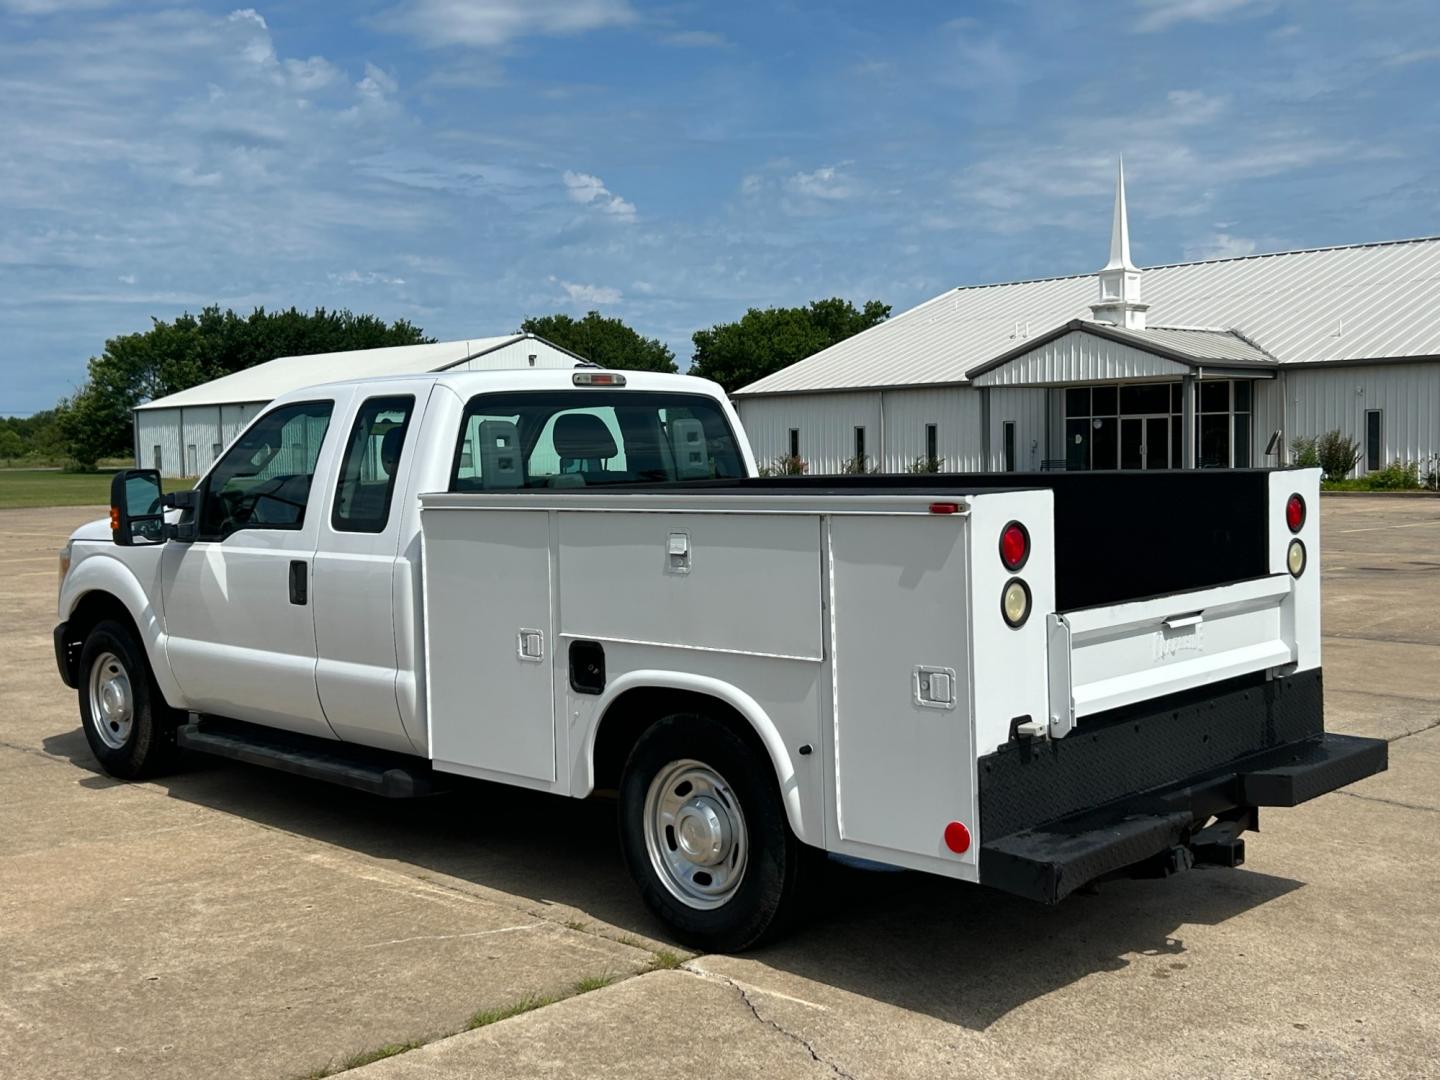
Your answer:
<point x="1119" y="303"/>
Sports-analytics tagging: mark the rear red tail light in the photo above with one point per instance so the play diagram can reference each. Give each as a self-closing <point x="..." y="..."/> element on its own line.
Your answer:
<point x="1014" y="546"/>
<point x="1295" y="513"/>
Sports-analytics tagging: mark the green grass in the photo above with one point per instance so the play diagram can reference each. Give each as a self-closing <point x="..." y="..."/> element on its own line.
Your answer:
<point x="51" y="487"/>
<point x="594" y="982"/>
<point x="665" y="960"/>
<point x="365" y="1057"/>
<point x="486" y="1017"/>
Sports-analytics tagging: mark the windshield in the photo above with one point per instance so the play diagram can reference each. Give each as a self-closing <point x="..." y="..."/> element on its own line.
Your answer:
<point x="592" y="438"/>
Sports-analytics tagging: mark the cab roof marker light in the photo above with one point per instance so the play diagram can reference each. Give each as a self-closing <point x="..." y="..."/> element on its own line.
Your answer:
<point x="598" y="378"/>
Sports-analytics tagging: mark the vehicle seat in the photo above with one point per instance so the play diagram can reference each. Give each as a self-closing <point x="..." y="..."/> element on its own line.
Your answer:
<point x="390" y="446"/>
<point x="584" y="444"/>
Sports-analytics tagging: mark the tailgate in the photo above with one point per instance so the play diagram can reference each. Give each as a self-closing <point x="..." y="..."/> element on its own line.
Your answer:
<point x="1113" y="655"/>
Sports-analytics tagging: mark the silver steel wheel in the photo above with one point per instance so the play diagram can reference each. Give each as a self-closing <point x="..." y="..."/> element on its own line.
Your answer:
<point x="112" y="704"/>
<point x="695" y="834"/>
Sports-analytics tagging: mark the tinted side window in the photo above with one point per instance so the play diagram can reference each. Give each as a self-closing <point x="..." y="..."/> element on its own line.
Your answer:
<point x="263" y="481"/>
<point x="372" y="460"/>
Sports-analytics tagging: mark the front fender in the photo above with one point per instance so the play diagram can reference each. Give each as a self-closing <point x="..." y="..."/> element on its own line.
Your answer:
<point x="780" y="760"/>
<point x="101" y="572"/>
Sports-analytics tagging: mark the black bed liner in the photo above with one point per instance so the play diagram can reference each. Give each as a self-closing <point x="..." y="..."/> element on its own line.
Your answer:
<point x="1119" y="535"/>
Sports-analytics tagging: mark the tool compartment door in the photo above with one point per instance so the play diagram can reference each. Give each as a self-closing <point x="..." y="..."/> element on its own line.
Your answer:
<point x="489" y="647"/>
<point x="903" y="754"/>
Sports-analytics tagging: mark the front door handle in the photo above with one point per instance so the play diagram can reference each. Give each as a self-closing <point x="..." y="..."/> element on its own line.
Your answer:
<point x="299" y="581"/>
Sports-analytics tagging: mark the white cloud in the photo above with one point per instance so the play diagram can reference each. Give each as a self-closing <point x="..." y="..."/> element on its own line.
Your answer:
<point x="590" y="190"/>
<point x="1414" y="56"/>
<point x="494" y="22"/>
<point x="1163" y="14"/>
<point x="589" y="294"/>
<point x="827" y="182"/>
<point x="51" y="7"/>
<point x="1220" y="245"/>
<point x="366" y="277"/>
<point x="696" y="39"/>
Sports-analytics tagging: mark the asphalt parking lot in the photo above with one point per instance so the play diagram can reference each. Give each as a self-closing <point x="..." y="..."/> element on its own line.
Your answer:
<point x="229" y="922"/>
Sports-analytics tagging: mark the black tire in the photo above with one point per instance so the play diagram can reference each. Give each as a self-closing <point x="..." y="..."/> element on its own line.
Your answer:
<point x="148" y="747"/>
<point x="770" y="891"/>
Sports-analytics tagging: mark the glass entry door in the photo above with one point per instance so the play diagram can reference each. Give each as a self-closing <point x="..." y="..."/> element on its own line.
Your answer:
<point x="1145" y="442"/>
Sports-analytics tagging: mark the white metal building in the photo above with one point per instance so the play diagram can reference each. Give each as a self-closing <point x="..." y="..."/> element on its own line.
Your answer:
<point x="1222" y="364"/>
<point x="182" y="433"/>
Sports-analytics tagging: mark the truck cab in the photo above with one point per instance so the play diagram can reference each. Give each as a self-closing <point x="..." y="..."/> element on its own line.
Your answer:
<point x="575" y="581"/>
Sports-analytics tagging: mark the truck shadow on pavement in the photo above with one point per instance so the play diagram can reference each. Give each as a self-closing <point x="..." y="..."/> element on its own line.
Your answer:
<point x="961" y="954"/>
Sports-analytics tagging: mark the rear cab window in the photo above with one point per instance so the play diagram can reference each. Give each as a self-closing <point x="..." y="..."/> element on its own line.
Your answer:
<point x="591" y="438"/>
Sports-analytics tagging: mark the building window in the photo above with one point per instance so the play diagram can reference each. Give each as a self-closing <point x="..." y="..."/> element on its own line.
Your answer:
<point x="215" y="449"/>
<point x="155" y="458"/>
<point x="932" y="446"/>
<point x="794" y="442"/>
<point x="860" y="444"/>
<point x="1007" y="430"/>
<point x="1140" y="425"/>
<point x="1372" y="440"/>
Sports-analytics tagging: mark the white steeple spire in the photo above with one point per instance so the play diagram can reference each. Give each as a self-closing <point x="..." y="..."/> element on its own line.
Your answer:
<point x="1119" y="302"/>
<point x="1120" y="226"/>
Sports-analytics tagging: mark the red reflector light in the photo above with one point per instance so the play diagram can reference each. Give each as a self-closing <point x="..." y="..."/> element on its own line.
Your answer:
<point x="957" y="838"/>
<point x="944" y="508"/>
<point x="1014" y="546"/>
<point x="1295" y="513"/>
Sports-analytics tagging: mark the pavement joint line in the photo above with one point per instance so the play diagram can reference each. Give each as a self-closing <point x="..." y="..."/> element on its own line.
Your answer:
<point x="1379" y="641"/>
<point x="450" y="937"/>
<point x="1418" y="731"/>
<point x="1392" y="802"/>
<point x="741" y="989"/>
<point x="1387" y="528"/>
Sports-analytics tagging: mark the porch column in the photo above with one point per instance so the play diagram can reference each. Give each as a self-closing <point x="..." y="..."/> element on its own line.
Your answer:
<point x="1188" y="388"/>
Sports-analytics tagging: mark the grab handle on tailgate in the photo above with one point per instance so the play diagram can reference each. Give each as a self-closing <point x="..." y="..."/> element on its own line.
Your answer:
<point x="1179" y="622"/>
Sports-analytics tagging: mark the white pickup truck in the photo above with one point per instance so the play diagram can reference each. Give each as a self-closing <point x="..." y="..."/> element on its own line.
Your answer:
<point x="574" y="581"/>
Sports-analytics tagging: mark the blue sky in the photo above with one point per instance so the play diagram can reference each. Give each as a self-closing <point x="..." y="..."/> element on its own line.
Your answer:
<point x="464" y="163"/>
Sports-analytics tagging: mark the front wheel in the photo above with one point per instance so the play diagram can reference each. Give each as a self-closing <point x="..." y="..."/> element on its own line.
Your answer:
<point x="705" y="837"/>
<point x="130" y="729"/>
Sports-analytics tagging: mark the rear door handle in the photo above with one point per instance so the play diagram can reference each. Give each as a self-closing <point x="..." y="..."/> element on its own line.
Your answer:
<point x="299" y="581"/>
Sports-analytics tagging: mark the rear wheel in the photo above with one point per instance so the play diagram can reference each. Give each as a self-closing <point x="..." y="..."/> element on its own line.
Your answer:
<point x="705" y="835"/>
<point x="130" y="729"/>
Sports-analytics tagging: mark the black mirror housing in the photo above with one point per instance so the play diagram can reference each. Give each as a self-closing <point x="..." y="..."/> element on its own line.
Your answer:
<point x="137" y="508"/>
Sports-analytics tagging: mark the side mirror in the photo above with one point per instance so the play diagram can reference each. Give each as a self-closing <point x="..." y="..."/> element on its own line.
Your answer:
<point x="137" y="508"/>
<point x="186" y="530"/>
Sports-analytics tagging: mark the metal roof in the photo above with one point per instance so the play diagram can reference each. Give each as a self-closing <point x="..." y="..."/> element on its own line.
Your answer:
<point x="1365" y="301"/>
<point x="269" y="380"/>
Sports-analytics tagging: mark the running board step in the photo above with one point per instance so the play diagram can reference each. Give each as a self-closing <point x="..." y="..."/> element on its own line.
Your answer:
<point x="336" y="763"/>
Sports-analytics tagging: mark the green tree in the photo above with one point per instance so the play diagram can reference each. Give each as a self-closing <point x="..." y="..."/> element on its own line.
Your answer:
<point x="604" y="341"/>
<point x="11" y="444"/>
<point x="765" y="340"/>
<point x="172" y="356"/>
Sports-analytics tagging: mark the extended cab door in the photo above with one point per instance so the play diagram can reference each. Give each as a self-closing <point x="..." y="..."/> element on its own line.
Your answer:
<point x="240" y="625"/>
<point x="355" y="565"/>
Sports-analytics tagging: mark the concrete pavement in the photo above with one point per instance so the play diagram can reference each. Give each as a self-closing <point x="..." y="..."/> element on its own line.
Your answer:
<point x="230" y="922"/>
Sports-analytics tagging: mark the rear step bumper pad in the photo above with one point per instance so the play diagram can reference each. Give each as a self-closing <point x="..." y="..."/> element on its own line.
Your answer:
<point x="303" y="758"/>
<point x="1049" y="862"/>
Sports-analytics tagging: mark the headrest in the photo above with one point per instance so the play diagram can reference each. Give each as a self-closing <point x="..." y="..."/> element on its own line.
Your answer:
<point x="582" y="435"/>
<point x="390" y="446"/>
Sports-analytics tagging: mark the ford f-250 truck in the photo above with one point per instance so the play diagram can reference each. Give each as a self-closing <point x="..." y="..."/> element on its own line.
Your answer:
<point x="576" y="582"/>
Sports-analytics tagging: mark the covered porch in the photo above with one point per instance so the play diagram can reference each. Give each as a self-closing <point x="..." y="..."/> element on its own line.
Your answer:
<point x="1121" y="398"/>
